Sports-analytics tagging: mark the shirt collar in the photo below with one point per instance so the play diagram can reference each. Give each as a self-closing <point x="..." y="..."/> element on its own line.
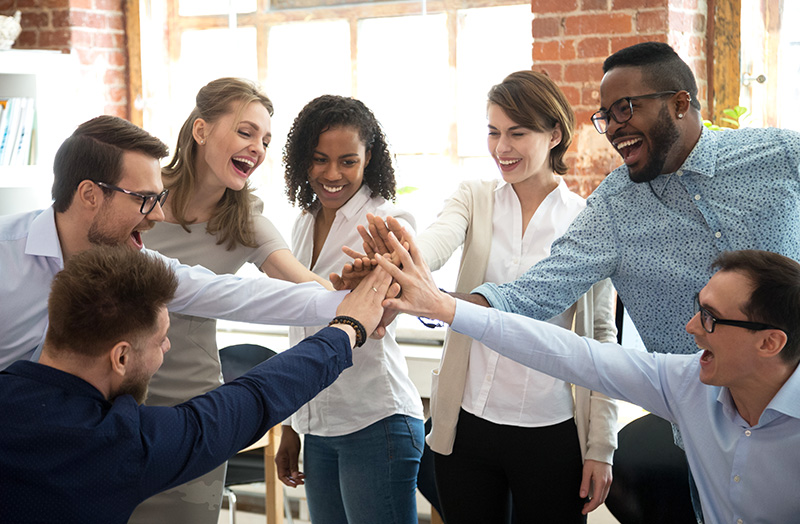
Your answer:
<point x="701" y="161"/>
<point x="43" y="237"/>
<point x="561" y="190"/>
<point x="785" y="402"/>
<point x="787" y="399"/>
<point x="352" y="208"/>
<point x="55" y="377"/>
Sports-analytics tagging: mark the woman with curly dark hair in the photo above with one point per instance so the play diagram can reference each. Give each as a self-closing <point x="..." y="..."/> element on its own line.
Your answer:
<point x="363" y="434"/>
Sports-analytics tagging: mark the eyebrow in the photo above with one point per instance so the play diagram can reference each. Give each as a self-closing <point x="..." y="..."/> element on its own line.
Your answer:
<point x="346" y="155"/>
<point x="512" y="128"/>
<point x="255" y="126"/>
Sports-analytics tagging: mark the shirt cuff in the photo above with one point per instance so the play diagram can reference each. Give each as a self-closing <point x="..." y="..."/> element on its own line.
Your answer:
<point x="492" y="294"/>
<point x="470" y="319"/>
<point x="327" y="303"/>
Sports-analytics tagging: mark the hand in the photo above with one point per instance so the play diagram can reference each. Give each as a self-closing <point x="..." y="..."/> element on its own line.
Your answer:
<point x="597" y="477"/>
<point x="420" y="295"/>
<point x="287" y="458"/>
<point x="353" y="273"/>
<point x="364" y="302"/>
<point x="376" y="241"/>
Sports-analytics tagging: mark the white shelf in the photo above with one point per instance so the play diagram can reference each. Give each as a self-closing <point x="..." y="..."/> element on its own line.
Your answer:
<point x="53" y="79"/>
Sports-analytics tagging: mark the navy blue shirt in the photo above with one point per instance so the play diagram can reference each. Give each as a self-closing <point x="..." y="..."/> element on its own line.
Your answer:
<point x="69" y="455"/>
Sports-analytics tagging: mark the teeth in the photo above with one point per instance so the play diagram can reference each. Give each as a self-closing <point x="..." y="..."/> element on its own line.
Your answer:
<point x="244" y="161"/>
<point x="507" y="162"/>
<point x="627" y="143"/>
<point x="332" y="189"/>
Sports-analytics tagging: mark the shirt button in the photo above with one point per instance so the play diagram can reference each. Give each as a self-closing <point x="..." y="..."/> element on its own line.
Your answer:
<point x="515" y="261"/>
<point x="737" y="478"/>
<point x="697" y="197"/>
<point x="747" y="433"/>
<point x="739" y="521"/>
<point x="680" y="172"/>
<point x="717" y="234"/>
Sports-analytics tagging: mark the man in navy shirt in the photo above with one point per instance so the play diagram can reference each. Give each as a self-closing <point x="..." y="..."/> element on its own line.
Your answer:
<point x="77" y="444"/>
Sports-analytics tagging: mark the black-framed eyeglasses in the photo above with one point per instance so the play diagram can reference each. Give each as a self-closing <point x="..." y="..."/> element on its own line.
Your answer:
<point x="621" y="110"/>
<point x="148" y="201"/>
<point x="708" y="321"/>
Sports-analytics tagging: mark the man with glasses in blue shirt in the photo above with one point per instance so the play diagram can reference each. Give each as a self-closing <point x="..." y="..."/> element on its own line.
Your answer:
<point x="684" y="195"/>
<point x="736" y="402"/>
<point x="107" y="190"/>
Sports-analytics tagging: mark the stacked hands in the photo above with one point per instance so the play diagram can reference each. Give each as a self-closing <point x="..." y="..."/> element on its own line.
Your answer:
<point x="376" y="278"/>
<point x="390" y="248"/>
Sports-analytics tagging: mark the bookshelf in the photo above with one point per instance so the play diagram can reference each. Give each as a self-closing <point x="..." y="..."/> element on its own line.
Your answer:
<point x="53" y="81"/>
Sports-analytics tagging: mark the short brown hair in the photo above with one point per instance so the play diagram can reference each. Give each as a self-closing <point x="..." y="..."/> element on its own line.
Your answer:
<point x="105" y="295"/>
<point x="532" y="100"/>
<point x="94" y="152"/>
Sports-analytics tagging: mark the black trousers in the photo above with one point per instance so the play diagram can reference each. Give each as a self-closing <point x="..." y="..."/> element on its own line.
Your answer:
<point x="540" y="467"/>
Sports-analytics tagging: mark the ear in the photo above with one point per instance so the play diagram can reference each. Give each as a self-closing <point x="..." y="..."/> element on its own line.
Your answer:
<point x="772" y="343"/>
<point x="88" y="195"/>
<point x="200" y="130"/>
<point x="367" y="158"/>
<point x="682" y="103"/>
<point x="121" y="356"/>
<point x="556" y="135"/>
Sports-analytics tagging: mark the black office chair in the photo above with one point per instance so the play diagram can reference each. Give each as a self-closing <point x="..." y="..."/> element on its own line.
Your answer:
<point x="246" y="467"/>
<point x="651" y="476"/>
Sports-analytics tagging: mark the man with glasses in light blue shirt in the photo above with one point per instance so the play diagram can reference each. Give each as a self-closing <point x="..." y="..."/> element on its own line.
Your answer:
<point x="736" y="402"/>
<point x="107" y="190"/>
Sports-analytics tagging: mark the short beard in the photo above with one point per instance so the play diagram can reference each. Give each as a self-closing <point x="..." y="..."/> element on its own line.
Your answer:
<point x="137" y="387"/>
<point x="95" y="235"/>
<point x="664" y="133"/>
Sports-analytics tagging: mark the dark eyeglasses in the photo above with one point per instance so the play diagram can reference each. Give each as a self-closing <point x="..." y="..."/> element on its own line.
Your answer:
<point x="148" y="201"/>
<point x="621" y="110"/>
<point x="708" y="320"/>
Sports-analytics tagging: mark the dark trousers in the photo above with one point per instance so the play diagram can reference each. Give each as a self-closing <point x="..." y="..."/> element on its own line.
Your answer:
<point x="541" y="468"/>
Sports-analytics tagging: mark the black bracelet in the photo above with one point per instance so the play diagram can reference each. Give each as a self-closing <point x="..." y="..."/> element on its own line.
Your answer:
<point x="361" y="333"/>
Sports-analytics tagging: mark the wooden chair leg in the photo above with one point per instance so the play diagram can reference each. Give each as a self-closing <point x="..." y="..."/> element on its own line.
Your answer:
<point x="274" y="490"/>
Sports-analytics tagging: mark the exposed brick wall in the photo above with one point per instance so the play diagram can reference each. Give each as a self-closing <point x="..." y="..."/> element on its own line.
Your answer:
<point x="571" y="38"/>
<point x="92" y="29"/>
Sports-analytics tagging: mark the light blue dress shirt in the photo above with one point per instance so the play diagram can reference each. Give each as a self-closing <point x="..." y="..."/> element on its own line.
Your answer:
<point x="746" y="474"/>
<point x="657" y="240"/>
<point x="30" y="256"/>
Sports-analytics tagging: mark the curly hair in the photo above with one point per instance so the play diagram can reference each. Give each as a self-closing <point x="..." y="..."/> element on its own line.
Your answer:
<point x="329" y="112"/>
<point x="231" y="221"/>
<point x="532" y="100"/>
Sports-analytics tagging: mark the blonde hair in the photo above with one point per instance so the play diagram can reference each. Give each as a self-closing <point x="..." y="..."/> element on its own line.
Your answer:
<point x="230" y="221"/>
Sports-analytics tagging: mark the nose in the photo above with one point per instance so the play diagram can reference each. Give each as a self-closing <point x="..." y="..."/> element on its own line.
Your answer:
<point x="503" y="144"/>
<point x="693" y="327"/>
<point x="156" y="214"/>
<point x="332" y="171"/>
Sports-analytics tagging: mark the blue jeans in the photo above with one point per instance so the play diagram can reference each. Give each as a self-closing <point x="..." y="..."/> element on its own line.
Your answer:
<point x="366" y="477"/>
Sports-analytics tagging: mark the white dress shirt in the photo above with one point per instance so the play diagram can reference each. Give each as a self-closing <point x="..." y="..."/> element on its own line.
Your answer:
<point x="744" y="474"/>
<point x="30" y="256"/>
<point x="521" y="396"/>
<point x="377" y="386"/>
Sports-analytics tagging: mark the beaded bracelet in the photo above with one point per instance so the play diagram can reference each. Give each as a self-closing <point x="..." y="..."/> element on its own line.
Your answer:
<point x="361" y="333"/>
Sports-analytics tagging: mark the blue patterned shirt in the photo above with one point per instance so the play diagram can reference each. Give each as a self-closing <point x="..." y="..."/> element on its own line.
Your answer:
<point x="656" y="240"/>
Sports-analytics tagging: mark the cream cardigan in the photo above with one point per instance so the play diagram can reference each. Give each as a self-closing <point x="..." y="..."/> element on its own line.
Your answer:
<point x="467" y="219"/>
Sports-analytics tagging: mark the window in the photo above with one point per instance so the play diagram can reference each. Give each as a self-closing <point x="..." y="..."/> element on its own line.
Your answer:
<point x="423" y="68"/>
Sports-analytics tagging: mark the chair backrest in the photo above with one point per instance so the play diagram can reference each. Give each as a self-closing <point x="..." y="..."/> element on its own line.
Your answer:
<point x="240" y="358"/>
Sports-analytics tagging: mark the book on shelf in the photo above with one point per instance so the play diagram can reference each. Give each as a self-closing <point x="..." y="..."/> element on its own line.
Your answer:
<point x="16" y="130"/>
